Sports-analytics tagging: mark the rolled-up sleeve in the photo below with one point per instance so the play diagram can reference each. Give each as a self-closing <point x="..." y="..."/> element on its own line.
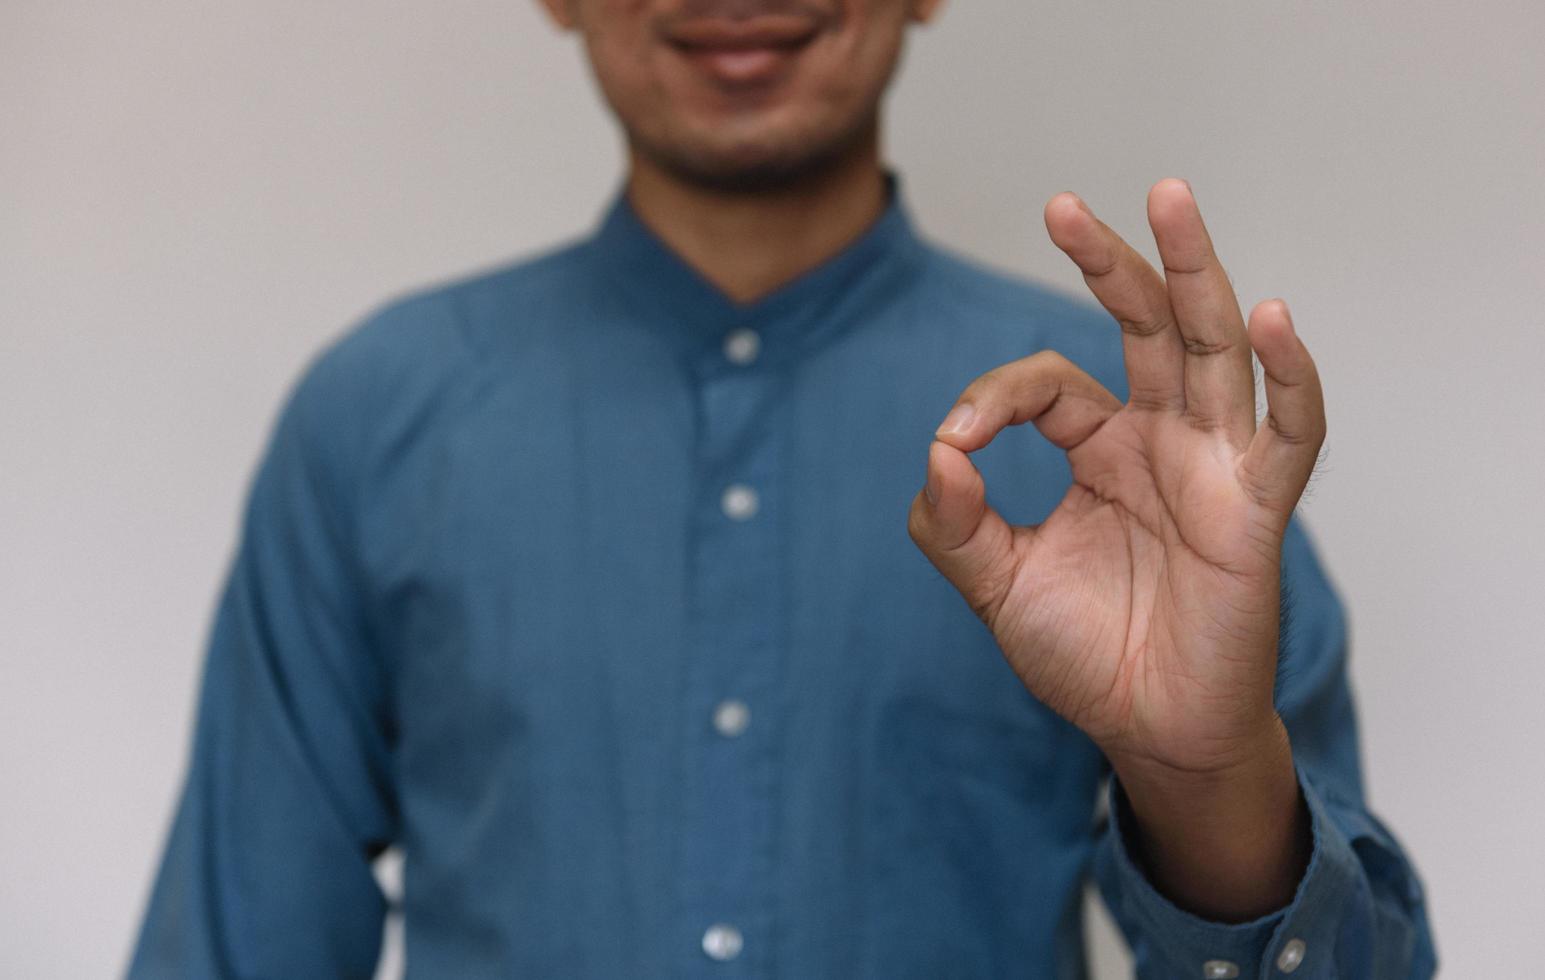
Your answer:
<point x="1359" y="910"/>
<point x="287" y="796"/>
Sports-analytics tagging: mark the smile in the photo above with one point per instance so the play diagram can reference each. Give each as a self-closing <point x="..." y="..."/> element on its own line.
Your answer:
<point x="742" y="51"/>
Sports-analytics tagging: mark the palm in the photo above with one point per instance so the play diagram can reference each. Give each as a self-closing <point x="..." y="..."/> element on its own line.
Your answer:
<point x="1138" y="583"/>
<point x="1145" y="608"/>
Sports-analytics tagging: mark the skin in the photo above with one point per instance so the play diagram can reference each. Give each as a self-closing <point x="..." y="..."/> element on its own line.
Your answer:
<point x="1145" y="609"/>
<point x="753" y="183"/>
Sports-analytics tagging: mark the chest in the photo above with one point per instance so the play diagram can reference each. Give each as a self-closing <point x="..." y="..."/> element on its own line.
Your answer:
<point x="581" y="561"/>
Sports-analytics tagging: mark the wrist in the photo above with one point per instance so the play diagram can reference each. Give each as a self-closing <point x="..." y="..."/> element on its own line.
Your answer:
<point x="1222" y="772"/>
<point x="1228" y="843"/>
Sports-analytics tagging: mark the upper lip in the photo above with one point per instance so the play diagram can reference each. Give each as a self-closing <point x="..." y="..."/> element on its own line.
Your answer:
<point x="738" y="34"/>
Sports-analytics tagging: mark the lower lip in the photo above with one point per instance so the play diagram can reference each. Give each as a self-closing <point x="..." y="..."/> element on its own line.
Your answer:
<point x="743" y="66"/>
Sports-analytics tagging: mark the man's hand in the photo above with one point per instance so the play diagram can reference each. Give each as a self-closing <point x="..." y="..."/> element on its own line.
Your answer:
<point x="1145" y="608"/>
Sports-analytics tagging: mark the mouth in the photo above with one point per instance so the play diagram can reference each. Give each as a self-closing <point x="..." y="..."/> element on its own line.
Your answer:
<point x="743" y="51"/>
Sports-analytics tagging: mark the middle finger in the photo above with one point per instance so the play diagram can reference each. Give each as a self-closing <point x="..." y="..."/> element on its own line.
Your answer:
<point x="1132" y="292"/>
<point x="1220" y="387"/>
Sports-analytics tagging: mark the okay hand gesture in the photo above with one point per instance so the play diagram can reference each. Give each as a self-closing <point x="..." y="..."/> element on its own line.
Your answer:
<point x="1145" y="608"/>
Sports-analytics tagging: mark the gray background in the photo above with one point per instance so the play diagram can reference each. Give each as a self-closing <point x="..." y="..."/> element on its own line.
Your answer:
<point x="194" y="197"/>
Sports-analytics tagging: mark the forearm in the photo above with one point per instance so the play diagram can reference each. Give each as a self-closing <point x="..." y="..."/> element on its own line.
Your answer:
<point x="1228" y="846"/>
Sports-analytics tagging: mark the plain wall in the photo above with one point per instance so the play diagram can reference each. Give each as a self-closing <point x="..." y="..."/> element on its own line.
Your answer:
<point x="194" y="197"/>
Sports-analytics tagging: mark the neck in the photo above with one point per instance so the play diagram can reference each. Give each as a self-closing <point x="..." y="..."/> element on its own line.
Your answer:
<point x="748" y="244"/>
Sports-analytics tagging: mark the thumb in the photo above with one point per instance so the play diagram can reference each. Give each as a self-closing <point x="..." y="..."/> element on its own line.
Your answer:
<point x="967" y="541"/>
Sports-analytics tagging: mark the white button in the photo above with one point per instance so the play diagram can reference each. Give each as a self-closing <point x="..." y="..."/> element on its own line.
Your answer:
<point x="1292" y="954"/>
<point x="1220" y="969"/>
<point x="741" y="346"/>
<point x="731" y="717"/>
<point x="722" y="941"/>
<point x="739" y="502"/>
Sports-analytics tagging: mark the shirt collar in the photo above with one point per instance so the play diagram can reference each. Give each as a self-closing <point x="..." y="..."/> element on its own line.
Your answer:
<point x="658" y="287"/>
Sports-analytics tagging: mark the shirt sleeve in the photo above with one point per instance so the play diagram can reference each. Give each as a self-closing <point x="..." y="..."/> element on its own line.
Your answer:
<point x="1359" y="909"/>
<point x="287" y="796"/>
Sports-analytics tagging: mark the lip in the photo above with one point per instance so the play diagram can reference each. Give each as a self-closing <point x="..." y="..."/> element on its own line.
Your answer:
<point x="761" y="31"/>
<point x="742" y="51"/>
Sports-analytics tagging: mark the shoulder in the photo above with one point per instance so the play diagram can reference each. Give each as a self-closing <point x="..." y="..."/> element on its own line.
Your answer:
<point x="415" y="355"/>
<point x="1021" y="314"/>
<point x="423" y="334"/>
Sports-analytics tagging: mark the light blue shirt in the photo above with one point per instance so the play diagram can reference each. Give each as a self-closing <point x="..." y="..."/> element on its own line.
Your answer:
<point x="591" y="591"/>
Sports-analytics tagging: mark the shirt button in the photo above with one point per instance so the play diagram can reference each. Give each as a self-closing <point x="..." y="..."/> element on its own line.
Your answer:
<point x="722" y="942"/>
<point x="741" y="346"/>
<point x="1292" y="954"/>
<point x="731" y="717"/>
<point x="739" y="502"/>
<point x="1220" y="969"/>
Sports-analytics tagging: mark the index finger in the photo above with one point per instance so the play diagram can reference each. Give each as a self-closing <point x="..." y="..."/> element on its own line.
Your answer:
<point x="1065" y="403"/>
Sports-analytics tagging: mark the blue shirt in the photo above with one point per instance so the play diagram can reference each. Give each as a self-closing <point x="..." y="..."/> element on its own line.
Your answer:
<point x="591" y="590"/>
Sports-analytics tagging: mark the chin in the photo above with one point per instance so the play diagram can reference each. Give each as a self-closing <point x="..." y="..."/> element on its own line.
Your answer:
<point x="764" y="162"/>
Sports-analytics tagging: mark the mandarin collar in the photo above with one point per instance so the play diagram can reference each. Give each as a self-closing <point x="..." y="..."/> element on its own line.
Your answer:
<point x="658" y="287"/>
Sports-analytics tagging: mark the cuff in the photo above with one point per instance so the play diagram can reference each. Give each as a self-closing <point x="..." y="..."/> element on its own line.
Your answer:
<point x="1297" y="940"/>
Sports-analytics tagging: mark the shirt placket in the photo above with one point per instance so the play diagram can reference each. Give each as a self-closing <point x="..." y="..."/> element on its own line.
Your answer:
<point x="730" y="786"/>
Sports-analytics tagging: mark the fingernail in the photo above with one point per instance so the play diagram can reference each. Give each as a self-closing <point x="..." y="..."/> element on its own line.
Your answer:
<point x="931" y="485"/>
<point x="957" y="421"/>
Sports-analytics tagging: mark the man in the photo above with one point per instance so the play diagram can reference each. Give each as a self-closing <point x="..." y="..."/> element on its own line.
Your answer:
<point x="585" y="582"/>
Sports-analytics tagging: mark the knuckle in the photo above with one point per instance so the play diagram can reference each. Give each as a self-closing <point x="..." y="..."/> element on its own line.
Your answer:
<point x="1103" y="265"/>
<point x="1153" y="400"/>
<point x="983" y="386"/>
<point x="1310" y="434"/>
<point x="1319" y="430"/>
<point x="984" y="607"/>
<point x="916" y="524"/>
<point x="1203" y="422"/>
<point x="1143" y="327"/>
<point x="1207" y="348"/>
<point x="988" y="593"/>
<point x="1048" y="360"/>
